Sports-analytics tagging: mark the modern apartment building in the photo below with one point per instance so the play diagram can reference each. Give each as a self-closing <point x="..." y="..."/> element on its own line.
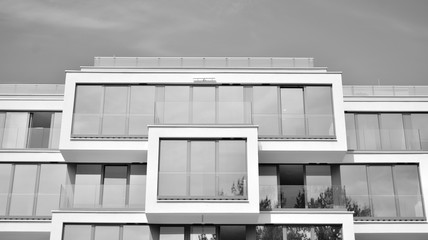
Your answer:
<point x="212" y="149"/>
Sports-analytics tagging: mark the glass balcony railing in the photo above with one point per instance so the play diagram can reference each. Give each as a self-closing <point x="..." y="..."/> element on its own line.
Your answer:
<point x="28" y="205"/>
<point x="275" y="197"/>
<point x="385" y="90"/>
<point x="387" y="139"/>
<point x="204" y="62"/>
<point x="202" y="186"/>
<point x="21" y="138"/>
<point x="102" y="196"/>
<point x="32" y="89"/>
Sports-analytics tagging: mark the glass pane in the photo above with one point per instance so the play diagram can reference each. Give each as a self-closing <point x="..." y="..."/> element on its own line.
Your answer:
<point x="87" y="109"/>
<point x="137" y="186"/>
<point x="5" y="171"/>
<point x="136" y="232"/>
<point x="15" y="132"/>
<point x="419" y="131"/>
<point x="87" y="188"/>
<point x="354" y="181"/>
<point x="202" y="167"/>
<point x="24" y="182"/>
<point x="52" y="176"/>
<point x="382" y="191"/>
<point x="232" y="168"/>
<point x="232" y="232"/>
<point x="292" y="111"/>
<point x="171" y="233"/>
<point x="268" y="192"/>
<point x="318" y="187"/>
<point x="292" y="189"/>
<point x="203" y="233"/>
<point x="55" y="131"/>
<point x="115" y="108"/>
<point x="114" y="192"/>
<point x="176" y="106"/>
<point x="368" y="132"/>
<point x="204" y="105"/>
<point x="231" y="104"/>
<point x="38" y="136"/>
<point x="327" y="232"/>
<point x="74" y="232"/>
<point x="319" y="110"/>
<point x="351" y="135"/>
<point x="269" y="233"/>
<point x="265" y="110"/>
<point x="106" y="233"/>
<point x="406" y="179"/>
<point x="2" y="123"/>
<point x="141" y="109"/>
<point x="392" y="132"/>
<point x="173" y="168"/>
<point x="298" y="232"/>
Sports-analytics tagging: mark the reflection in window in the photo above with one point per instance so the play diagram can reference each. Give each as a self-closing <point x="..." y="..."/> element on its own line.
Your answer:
<point x="319" y="111"/>
<point x="406" y="179"/>
<point x="368" y="132"/>
<point x="106" y="232"/>
<point x="278" y="232"/>
<point x="292" y="110"/>
<point x="214" y="168"/>
<point x="355" y="187"/>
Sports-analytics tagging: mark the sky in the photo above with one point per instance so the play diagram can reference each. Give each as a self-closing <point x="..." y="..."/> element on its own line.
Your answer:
<point x="371" y="41"/>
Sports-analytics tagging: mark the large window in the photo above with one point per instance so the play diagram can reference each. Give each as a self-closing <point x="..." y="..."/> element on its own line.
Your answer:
<point x="28" y="190"/>
<point x="387" y="131"/>
<point x="280" y="111"/>
<point x="206" y="169"/>
<point x="106" y="232"/>
<point x="106" y="186"/>
<point x="29" y="129"/>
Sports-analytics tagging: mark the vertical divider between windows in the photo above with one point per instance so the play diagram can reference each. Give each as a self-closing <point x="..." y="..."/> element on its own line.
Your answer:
<point x="357" y="131"/>
<point x="190" y="104"/>
<point x="304" y="111"/>
<point x="11" y="182"/>
<point x="128" y="184"/>
<point x="396" y="198"/>
<point x="279" y="110"/>
<point x="36" y="189"/>
<point x="369" y="191"/>
<point x="29" y="126"/>
<point x="332" y="109"/>
<point x="92" y="231"/>
<point x="101" y="186"/>
<point x="216" y="152"/>
<point x="305" y="186"/>
<point x="188" y="170"/>
<point x="216" y="92"/>
<point x="101" y="113"/>
<point x="128" y="111"/>
<point x="380" y="130"/>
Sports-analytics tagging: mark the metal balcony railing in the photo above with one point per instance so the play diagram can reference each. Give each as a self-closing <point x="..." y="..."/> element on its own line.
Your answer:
<point x="361" y="90"/>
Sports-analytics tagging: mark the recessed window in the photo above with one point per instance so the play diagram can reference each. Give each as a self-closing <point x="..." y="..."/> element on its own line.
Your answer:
<point x="206" y="169"/>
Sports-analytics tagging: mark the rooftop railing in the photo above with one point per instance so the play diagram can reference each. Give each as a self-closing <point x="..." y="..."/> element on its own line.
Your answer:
<point x="360" y="90"/>
<point x="203" y="62"/>
<point x="31" y="89"/>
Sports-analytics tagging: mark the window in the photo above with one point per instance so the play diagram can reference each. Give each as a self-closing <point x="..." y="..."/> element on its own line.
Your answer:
<point x="279" y="232"/>
<point x="29" y="190"/>
<point x="106" y="186"/>
<point x="387" y="131"/>
<point x="29" y="129"/>
<point x="106" y="232"/>
<point x="205" y="169"/>
<point x="281" y="111"/>
<point x="113" y="110"/>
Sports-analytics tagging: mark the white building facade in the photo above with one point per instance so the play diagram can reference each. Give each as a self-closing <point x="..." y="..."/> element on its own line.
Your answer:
<point x="212" y="148"/>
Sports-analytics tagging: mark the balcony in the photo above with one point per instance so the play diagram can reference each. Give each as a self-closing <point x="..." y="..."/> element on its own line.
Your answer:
<point x="278" y="197"/>
<point x="99" y="197"/>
